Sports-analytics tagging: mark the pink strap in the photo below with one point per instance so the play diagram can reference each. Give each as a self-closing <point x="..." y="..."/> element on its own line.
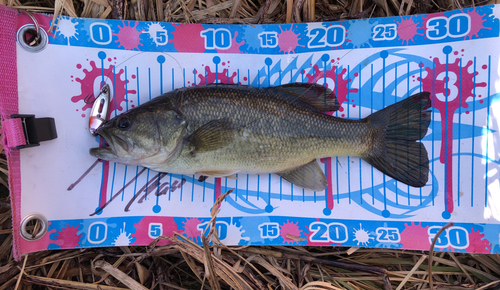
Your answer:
<point x="14" y="134"/>
<point x="9" y="106"/>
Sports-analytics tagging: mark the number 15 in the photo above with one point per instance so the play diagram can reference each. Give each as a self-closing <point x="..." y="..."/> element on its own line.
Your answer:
<point x="268" y="39"/>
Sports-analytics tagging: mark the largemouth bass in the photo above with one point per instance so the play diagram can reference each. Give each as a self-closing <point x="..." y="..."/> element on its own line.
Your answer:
<point x="221" y="130"/>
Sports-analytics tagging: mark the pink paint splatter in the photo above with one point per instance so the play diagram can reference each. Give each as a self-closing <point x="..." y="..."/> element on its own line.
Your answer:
<point x="191" y="228"/>
<point x="447" y="105"/>
<point x="476" y="23"/>
<point x="218" y="185"/>
<point x="68" y="238"/>
<point x="329" y="187"/>
<point x="288" y="40"/>
<point x="221" y="77"/>
<point x="88" y="81"/>
<point x="290" y="228"/>
<point x="187" y="38"/>
<point x="168" y="226"/>
<point x="235" y="46"/>
<point x="478" y="244"/>
<point x="415" y="237"/>
<point x="407" y="29"/>
<point x="341" y="85"/>
<point x="128" y="36"/>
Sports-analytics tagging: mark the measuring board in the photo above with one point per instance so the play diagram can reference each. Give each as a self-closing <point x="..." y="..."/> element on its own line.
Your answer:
<point x="369" y="64"/>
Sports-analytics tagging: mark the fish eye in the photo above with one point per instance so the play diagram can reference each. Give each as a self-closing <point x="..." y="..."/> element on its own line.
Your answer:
<point x="123" y="123"/>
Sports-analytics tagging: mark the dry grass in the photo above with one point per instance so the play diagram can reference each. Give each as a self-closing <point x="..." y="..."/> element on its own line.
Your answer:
<point x="185" y="265"/>
<point x="240" y="11"/>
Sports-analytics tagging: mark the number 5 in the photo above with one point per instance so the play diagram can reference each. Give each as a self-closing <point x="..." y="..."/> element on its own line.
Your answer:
<point x="161" y="37"/>
<point x="155" y="230"/>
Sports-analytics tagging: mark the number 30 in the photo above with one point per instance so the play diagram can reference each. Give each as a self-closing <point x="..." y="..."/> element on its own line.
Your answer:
<point x="440" y="27"/>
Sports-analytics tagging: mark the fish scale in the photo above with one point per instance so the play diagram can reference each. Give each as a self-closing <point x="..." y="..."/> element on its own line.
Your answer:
<point x="220" y="130"/>
<point x="281" y="135"/>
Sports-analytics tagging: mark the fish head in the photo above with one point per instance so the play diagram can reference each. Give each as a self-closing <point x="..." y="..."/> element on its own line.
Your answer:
<point x="136" y="137"/>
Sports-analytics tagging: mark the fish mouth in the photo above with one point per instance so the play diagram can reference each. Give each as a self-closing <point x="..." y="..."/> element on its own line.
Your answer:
<point x="114" y="148"/>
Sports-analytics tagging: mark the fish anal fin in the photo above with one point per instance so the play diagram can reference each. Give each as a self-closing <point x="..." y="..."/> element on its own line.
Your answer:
<point x="211" y="136"/>
<point x="316" y="96"/>
<point x="218" y="173"/>
<point x="309" y="176"/>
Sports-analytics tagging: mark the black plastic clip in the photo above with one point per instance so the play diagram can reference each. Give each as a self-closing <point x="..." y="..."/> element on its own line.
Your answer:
<point x="36" y="130"/>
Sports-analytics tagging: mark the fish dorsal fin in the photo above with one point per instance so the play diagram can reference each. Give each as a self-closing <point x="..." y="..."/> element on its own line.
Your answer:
<point x="211" y="136"/>
<point x="309" y="176"/>
<point x="311" y="96"/>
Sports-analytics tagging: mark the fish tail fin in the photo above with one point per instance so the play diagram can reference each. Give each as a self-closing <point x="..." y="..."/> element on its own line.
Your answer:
<point x="398" y="153"/>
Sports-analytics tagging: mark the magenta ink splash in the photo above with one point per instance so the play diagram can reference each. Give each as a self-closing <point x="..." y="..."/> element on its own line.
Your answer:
<point x="66" y="238"/>
<point x="211" y="77"/>
<point x="187" y="38"/>
<point x="341" y="90"/>
<point x="407" y="29"/>
<point x="128" y="36"/>
<point x="415" y="237"/>
<point x="452" y="85"/>
<point x="290" y="232"/>
<point x="191" y="229"/>
<point x="288" y="40"/>
<point x="341" y="81"/>
<point x="87" y="83"/>
<point x="235" y="46"/>
<point x="167" y="224"/>
<point x="476" y="23"/>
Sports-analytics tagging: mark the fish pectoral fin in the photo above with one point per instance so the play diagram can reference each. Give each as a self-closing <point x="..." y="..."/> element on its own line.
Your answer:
<point x="311" y="96"/>
<point x="212" y="136"/>
<point x="309" y="176"/>
<point x="219" y="173"/>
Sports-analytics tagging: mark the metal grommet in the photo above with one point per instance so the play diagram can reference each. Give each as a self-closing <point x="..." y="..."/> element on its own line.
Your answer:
<point x="33" y="227"/>
<point x="31" y="40"/>
<point x="34" y="38"/>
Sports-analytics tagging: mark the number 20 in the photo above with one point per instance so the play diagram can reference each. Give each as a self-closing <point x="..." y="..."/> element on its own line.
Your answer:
<point x="321" y="37"/>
